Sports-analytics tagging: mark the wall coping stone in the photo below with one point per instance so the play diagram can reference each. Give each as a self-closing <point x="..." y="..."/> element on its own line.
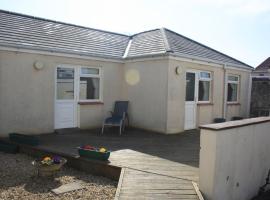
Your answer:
<point x="235" y="124"/>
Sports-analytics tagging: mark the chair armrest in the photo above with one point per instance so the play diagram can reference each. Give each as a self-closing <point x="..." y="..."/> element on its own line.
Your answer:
<point x="110" y="114"/>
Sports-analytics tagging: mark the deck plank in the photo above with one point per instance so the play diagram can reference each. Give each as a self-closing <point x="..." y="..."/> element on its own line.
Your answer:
<point x="155" y="166"/>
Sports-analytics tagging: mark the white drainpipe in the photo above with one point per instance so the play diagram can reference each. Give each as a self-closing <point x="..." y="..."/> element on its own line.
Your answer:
<point x="249" y="96"/>
<point x="224" y="114"/>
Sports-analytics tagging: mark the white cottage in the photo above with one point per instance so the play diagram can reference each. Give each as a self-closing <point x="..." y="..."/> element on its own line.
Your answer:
<point x="56" y="75"/>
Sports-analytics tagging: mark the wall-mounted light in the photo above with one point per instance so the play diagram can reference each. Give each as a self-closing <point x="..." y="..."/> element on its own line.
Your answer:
<point x="178" y="70"/>
<point x="38" y="65"/>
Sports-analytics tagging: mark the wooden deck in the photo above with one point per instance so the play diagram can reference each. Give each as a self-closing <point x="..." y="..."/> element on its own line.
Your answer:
<point x="154" y="166"/>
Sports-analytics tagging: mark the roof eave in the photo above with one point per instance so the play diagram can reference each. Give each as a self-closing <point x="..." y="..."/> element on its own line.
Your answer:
<point x="210" y="60"/>
<point x="41" y="50"/>
<point x="159" y="54"/>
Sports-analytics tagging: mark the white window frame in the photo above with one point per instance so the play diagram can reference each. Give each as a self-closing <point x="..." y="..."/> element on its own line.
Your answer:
<point x="210" y="85"/>
<point x="99" y="75"/>
<point x="238" y="87"/>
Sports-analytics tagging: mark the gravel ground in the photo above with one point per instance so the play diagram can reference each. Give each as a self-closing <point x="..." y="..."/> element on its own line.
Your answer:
<point x="18" y="180"/>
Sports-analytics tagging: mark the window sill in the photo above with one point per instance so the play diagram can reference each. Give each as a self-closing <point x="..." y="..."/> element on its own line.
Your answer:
<point x="90" y="103"/>
<point x="205" y="104"/>
<point x="234" y="103"/>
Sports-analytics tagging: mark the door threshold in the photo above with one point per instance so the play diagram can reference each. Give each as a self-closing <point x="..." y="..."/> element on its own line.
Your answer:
<point x="66" y="130"/>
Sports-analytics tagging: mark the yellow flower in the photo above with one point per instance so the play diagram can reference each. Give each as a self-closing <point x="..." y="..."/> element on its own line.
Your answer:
<point x="102" y="150"/>
<point x="47" y="158"/>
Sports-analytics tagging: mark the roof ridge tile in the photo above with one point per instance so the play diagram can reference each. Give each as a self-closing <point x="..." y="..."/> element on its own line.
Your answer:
<point x="165" y="39"/>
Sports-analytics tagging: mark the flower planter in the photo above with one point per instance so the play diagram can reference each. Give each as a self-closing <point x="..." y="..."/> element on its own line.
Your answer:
<point x="48" y="170"/>
<point x="94" y="154"/>
<point x="8" y="148"/>
<point x="24" y="139"/>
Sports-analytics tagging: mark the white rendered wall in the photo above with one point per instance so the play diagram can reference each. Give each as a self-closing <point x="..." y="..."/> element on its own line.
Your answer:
<point x="234" y="162"/>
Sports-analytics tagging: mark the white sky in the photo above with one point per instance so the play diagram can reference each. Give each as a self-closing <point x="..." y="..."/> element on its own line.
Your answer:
<point x="239" y="28"/>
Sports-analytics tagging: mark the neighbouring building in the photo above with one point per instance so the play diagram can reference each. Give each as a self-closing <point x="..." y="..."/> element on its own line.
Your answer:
<point x="56" y="75"/>
<point x="260" y="94"/>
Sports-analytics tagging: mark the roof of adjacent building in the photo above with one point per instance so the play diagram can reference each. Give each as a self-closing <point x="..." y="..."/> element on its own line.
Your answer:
<point x="264" y="65"/>
<point x="28" y="32"/>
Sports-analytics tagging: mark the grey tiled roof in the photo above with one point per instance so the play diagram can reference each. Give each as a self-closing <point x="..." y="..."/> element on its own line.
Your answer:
<point x="182" y="45"/>
<point x="265" y="65"/>
<point x="149" y="42"/>
<point x="35" y="33"/>
<point x="23" y="31"/>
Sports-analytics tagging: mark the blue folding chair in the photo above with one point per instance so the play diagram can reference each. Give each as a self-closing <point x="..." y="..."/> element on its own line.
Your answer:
<point x="118" y="117"/>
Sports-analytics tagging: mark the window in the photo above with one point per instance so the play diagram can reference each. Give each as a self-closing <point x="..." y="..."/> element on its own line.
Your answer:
<point x="204" y="86"/>
<point x="232" y="90"/>
<point x="90" y="88"/>
<point x="190" y="86"/>
<point x="65" y="83"/>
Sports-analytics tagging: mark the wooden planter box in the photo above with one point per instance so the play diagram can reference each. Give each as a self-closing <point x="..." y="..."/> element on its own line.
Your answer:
<point x="8" y="148"/>
<point x="92" y="154"/>
<point x="24" y="139"/>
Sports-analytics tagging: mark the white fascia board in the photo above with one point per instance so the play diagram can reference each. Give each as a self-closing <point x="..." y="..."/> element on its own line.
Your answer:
<point x="180" y="58"/>
<point x="261" y="71"/>
<point x="206" y="61"/>
<point x="21" y="50"/>
<point x="260" y="76"/>
<point x="238" y="68"/>
<point x="154" y="56"/>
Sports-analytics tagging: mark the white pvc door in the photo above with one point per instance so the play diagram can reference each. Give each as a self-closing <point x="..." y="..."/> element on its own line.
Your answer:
<point x="190" y="101"/>
<point x="65" y="106"/>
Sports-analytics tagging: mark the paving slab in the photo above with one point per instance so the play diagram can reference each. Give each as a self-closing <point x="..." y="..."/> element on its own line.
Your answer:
<point x="68" y="187"/>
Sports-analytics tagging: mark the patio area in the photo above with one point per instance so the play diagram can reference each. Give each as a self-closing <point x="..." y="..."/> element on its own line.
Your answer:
<point x="154" y="166"/>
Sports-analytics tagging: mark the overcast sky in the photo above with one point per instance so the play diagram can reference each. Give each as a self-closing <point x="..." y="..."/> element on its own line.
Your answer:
<point x="239" y="28"/>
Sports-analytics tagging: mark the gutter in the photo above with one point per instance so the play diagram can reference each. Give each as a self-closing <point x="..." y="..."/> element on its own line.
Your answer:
<point x="211" y="61"/>
<point x="161" y="54"/>
<point x="60" y="54"/>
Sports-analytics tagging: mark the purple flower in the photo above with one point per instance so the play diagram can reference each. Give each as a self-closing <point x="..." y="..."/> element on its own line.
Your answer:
<point x="56" y="159"/>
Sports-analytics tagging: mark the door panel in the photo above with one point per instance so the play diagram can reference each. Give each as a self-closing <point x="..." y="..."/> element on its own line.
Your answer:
<point x="64" y="115"/>
<point x="190" y="103"/>
<point x="65" y="107"/>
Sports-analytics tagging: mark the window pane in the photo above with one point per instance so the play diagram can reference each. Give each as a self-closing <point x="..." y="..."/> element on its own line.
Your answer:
<point x="190" y="86"/>
<point x="65" y="83"/>
<point x="232" y="92"/>
<point x="205" y="75"/>
<point x="204" y="90"/>
<point x="89" y="88"/>
<point x="94" y="71"/>
<point x="233" y="78"/>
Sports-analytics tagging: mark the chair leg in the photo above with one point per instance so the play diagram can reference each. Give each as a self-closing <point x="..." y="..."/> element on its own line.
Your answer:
<point x="102" y="129"/>
<point x="127" y="120"/>
<point x="120" y="128"/>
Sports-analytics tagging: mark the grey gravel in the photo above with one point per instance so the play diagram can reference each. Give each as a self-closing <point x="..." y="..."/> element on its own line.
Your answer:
<point x="18" y="180"/>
